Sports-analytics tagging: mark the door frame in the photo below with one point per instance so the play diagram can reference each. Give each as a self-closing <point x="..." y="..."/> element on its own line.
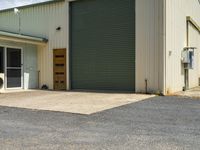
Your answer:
<point x="5" y="67"/>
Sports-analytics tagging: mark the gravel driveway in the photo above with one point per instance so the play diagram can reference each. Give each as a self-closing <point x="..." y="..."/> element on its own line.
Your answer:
<point x="159" y="123"/>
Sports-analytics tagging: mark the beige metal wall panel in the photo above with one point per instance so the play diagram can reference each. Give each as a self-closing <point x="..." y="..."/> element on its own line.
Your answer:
<point x="42" y="21"/>
<point x="176" y="12"/>
<point x="194" y="74"/>
<point x="149" y="45"/>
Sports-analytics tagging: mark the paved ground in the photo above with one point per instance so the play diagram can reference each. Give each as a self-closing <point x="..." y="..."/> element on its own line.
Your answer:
<point x="193" y="93"/>
<point x="73" y="102"/>
<point x="159" y="123"/>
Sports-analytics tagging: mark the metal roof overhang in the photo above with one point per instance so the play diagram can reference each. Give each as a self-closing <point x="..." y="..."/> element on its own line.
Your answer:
<point x="14" y="37"/>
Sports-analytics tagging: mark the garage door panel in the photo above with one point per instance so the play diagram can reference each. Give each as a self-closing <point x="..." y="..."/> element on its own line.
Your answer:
<point x="103" y="48"/>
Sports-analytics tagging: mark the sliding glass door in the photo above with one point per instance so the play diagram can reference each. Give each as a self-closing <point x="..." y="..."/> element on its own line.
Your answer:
<point x="14" y="68"/>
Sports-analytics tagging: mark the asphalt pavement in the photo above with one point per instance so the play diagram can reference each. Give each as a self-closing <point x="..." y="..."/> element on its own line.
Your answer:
<point x="159" y="123"/>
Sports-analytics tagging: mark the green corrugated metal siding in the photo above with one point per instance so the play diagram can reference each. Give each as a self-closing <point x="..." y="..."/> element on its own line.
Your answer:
<point x="103" y="45"/>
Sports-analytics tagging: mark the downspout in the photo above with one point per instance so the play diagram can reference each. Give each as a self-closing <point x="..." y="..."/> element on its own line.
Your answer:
<point x="186" y="71"/>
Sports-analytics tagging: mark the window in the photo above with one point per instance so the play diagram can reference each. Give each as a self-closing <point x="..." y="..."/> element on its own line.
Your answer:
<point x="1" y="60"/>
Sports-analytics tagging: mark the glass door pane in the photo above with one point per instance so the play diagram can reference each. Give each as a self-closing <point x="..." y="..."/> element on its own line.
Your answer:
<point x="14" y="68"/>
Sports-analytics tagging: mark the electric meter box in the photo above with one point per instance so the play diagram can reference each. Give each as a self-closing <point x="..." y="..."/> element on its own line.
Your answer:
<point x="191" y="56"/>
<point x="188" y="58"/>
<point x="185" y="57"/>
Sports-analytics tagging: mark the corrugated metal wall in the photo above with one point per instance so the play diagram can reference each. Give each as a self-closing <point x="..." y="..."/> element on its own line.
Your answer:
<point x="41" y="20"/>
<point x="194" y="40"/>
<point x="176" y="12"/>
<point x="149" y="45"/>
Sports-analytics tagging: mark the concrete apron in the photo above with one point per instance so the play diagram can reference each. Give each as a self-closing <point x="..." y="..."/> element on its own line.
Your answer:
<point x="192" y="93"/>
<point x="72" y="102"/>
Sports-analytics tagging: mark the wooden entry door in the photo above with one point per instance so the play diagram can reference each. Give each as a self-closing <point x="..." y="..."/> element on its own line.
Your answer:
<point x="59" y="69"/>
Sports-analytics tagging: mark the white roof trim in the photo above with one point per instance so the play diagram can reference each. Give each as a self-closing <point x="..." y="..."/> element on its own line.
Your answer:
<point x="8" y="36"/>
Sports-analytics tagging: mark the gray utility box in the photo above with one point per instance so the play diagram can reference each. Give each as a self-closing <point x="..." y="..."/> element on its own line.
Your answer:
<point x="188" y="57"/>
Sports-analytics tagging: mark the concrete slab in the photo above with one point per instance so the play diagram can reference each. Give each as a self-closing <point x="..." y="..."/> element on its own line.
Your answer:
<point x="192" y="93"/>
<point x="73" y="102"/>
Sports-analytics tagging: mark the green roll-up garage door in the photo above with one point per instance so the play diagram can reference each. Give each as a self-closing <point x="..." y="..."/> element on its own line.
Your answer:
<point x="103" y="45"/>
